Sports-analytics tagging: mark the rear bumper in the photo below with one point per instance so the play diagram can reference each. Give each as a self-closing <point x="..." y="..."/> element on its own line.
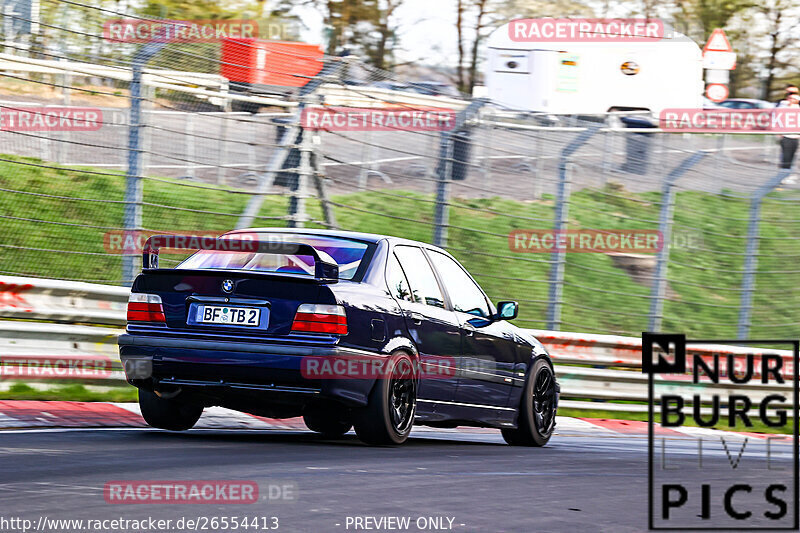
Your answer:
<point x="220" y="368"/>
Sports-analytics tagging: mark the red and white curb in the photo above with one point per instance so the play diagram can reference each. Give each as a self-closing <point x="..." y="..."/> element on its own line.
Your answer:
<point x="18" y="414"/>
<point x="610" y="428"/>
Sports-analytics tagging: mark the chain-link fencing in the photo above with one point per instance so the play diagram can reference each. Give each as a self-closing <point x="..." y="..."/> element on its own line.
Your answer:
<point x="106" y="139"/>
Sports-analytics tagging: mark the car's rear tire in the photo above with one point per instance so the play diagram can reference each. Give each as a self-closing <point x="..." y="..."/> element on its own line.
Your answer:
<point x="168" y="414"/>
<point x="536" y="418"/>
<point x="329" y="422"/>
<point x="389" y="414"/>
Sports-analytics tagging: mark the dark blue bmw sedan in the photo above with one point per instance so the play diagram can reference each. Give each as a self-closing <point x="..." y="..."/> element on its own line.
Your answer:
<point x="348" y="330"/>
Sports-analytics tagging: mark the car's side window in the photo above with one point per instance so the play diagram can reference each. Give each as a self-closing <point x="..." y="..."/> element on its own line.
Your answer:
<point x="424" y="287"/>
<point x="465" y="295"/>
<point x="396" y="279"/>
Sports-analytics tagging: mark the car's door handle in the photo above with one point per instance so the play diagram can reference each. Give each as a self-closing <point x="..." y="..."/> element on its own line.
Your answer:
<point x="469" y="330"/>
<point x="416" y="318"/>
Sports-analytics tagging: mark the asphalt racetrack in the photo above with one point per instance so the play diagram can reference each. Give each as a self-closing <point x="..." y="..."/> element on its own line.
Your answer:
<point x="470" y="482"/>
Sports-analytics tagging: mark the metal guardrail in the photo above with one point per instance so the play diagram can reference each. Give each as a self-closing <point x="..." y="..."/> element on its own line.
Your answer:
<point x="82" y="319"/>
<point x="70" y="302"/>
<point x="70" y="332"/>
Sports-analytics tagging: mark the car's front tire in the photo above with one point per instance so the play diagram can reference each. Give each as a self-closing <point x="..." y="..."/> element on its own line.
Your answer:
<point x="389" y="414"/>
<point x="536" y="418"/>
<point x="168" y="414"/>
<point x="329" y="422"/>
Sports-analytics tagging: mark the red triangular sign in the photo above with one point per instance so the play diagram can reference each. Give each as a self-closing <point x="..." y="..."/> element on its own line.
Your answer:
<point x="718" y="42"/>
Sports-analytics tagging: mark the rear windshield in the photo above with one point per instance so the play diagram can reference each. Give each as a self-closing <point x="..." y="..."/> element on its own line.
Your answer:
<point x="347" y="253"/>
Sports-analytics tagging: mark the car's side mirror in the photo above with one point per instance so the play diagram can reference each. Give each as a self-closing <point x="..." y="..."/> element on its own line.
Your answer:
<point x="507" y="310"/>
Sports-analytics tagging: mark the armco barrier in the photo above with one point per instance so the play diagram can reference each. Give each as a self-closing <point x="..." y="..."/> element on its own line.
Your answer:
<point x="595" y="371"/>
<point x="70" y="326"/>
<point x="69" y="302"/>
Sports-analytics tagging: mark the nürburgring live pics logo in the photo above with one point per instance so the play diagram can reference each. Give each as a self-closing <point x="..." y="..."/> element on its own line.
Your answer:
<point x="722" y="480"/>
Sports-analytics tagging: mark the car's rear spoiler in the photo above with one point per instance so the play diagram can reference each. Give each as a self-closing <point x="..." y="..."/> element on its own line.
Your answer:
<point x="325" y="268"/>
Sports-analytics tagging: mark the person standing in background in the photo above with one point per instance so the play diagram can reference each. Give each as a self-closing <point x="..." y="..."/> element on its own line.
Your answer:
<point x="789" y="142"/>
<point x="789" y="90"/>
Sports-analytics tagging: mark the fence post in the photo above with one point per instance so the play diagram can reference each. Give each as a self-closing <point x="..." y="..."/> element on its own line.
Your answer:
<point x="146" y="134"/>
<point x="66" y="83"/>
<point x="59" y="141"/>
<point x="751" y="251"/>
<point x="318" y="174"/>
<point x="222" y="153"/>
<point x="605" y="164"/>
<point x="132" y="219"/>
<point x="558" y="257"/>
<point x="367" y="156"/>
<point x="538" y="180"/>
<point x="444" y="171"/>
<point x="190" y="145"/>
<point x="297" y="204"/>
<point x="487" y="152"/>
<point x="251" y="149"/>
<point x="659" y="287"/>
<point x="45" y="143"/>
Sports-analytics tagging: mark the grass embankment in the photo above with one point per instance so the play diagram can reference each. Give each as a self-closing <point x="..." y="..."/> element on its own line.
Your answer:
<point x="599" y="297"/>
<point x="70" y="393"/>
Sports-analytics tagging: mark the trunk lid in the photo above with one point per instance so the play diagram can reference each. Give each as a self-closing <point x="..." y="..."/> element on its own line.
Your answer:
<point x="276" y="295"/>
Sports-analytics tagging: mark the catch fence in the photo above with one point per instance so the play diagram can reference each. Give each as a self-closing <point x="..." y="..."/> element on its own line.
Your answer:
<point x="176" y="147"/>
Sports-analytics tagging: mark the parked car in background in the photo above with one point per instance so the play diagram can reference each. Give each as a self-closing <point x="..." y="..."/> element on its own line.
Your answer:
<point x="251" y="330"/>
<point x="389" y="85"/>
<point x="430" y="88"/>
<point x="746" y="103"/>
<point x="710" y="104"/>
<point x="435" y="88"/>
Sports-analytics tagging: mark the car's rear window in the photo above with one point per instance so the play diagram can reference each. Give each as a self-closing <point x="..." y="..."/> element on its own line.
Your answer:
<point x="347" y="253"/>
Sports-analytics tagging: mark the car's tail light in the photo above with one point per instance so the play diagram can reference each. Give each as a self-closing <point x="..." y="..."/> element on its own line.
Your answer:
<point x="145" y="308"/>
<point x="316" y="318"/>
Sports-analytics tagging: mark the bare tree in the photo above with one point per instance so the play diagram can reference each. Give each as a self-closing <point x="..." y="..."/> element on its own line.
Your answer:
<point x="460" y="32"/>
<point x="481" y="24"/>
<point x="698" y="18"/>
<point x="489" y="14"/>
<point x="783" y="20"/>
<point x="348" y="23"/>
<point x="387" y="32"/>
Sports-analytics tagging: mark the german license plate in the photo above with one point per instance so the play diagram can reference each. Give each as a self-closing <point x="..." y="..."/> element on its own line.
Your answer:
<point x="229" y="316"/>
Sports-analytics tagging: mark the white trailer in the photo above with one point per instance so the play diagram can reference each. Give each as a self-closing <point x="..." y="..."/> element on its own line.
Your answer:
<point x="594" y="77"/>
